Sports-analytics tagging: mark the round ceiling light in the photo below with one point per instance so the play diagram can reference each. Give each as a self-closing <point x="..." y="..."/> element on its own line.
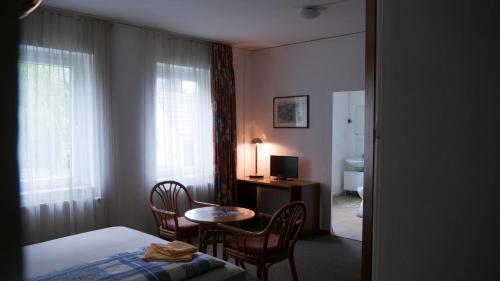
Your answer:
<point x="309" y="12"/>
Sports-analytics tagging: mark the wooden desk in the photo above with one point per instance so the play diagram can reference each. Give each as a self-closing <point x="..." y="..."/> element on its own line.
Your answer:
<point x="259" y="194"/>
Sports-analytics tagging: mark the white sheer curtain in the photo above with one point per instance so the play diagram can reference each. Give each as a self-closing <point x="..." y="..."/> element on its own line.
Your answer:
<point x="178" y="101"/>
<point x="63" y="141"/>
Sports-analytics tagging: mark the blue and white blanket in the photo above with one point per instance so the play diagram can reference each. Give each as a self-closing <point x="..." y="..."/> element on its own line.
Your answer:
<point x="130" y="266"/>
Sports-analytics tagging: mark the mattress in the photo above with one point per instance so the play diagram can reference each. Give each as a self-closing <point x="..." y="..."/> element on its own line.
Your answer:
<point x="46" y="257"/>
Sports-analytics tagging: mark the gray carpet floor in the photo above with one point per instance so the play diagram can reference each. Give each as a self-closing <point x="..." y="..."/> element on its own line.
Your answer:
<point x="318" y="258"/>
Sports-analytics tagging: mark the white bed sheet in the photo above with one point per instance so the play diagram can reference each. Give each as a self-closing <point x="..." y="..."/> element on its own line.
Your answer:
<point x="43" y="258"/>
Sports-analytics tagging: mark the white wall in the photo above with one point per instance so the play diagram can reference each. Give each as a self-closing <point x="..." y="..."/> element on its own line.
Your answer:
<point x="315" y="68"/>
<point x="356" y="128"/>
<point x="436" y="196"/>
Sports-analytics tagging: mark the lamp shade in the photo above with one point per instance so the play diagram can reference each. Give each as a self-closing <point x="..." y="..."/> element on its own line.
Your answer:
<point x="28" y="6"/>
<point x="256" y="141"/>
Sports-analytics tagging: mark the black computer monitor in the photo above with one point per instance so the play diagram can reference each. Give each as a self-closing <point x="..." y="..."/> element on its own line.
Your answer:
<point x="284" y="167"/>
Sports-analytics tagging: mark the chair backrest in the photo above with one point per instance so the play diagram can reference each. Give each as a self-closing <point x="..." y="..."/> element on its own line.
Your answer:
<point x="167" y="195"/>
<point x="287" y="223"/>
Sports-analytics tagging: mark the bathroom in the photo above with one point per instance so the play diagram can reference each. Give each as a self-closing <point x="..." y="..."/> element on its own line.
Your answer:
<point x="347" y="163"/>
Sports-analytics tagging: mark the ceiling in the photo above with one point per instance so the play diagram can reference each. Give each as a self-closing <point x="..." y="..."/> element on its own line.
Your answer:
<point x="247" y="24"/>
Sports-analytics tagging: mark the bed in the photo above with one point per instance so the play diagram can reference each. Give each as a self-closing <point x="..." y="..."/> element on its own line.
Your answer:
<point x="44" y="258"/>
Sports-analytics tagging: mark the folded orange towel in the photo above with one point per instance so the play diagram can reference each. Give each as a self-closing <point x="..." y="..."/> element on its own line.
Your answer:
<point x="175" y="251"/>
<point x="152" y="255"/>
<point x="175" y="248"/>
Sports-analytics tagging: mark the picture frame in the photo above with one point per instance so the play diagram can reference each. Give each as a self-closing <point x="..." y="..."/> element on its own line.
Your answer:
<point x="291" y="112"/>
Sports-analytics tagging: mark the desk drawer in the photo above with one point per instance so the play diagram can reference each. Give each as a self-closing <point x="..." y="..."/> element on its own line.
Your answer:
<point x="270" y="200"/>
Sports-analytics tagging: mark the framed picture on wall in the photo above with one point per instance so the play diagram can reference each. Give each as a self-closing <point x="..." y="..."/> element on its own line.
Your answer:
<point x="291" y="112"/>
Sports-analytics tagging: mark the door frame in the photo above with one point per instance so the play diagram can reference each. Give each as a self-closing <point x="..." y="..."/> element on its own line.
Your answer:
<point x="370" y="137"/>
<point x="11" y="262"/>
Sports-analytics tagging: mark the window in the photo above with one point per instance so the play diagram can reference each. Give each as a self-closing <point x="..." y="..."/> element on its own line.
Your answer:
<point x="183" y="115"/>
<point x="46" y="101"/>
<point x="56" y="137"/>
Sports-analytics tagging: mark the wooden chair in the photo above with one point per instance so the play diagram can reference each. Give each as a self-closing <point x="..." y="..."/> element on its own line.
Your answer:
<point x="271" y="245"/>
<point x="165" y="201"/>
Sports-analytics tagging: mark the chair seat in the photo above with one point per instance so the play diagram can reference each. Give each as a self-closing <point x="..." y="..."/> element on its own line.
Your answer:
<point x="254" y="245"/>
<point x="183" y="223"/>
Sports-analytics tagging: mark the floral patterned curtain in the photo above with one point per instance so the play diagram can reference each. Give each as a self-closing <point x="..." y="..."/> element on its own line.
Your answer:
<point x="224" y="108"/>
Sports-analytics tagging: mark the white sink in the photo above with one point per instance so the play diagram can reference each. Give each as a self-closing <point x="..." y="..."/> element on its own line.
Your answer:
<point x="356" y="162"/>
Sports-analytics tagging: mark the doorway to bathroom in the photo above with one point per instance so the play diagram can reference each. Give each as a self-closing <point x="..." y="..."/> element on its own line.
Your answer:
<point x="347" y="164"/>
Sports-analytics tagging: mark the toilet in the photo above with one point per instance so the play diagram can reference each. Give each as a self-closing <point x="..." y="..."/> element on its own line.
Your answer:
<point x="360" y="209"/>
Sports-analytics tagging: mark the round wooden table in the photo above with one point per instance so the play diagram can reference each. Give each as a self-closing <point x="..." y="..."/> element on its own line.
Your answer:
<point x="208" y="217"/>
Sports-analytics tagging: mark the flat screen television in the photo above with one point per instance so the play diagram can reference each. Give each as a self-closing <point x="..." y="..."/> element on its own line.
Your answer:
<point x="284" y="167"/>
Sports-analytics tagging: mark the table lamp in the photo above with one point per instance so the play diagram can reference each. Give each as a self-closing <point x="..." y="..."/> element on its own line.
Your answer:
<point x="256" y="141"/>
